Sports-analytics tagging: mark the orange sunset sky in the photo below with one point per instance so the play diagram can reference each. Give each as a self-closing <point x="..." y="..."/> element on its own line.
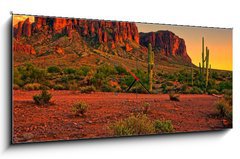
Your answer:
<point x="219" y="42"/>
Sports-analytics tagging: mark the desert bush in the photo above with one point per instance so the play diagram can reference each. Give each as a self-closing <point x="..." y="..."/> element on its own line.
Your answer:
<point x="69" y="70"/>
<point x="82" y="72"/>
<point x="107" y="88"/>
<point x="164" y="88"/>
<point x="87" y="89"/>
<point x="17" y="78"/>
<point x="224" y="85"/>
<point x="224" y="109"/>
<point x="85" y="70"/>
<point x="228" y="95"/>
<point x="174" y="97"/>
<point x="146" y="108"/>
<point x="184" y="88"/>
<point x="43" y="98"/>
<point x="80" y="108"/>
<point x="102" y="73"/>
<point x="213" y="91"/>
<point x="32" y="86"/>
<point x="53" y="69"/>
<point x="163" y="126"/>
<point x="196" y="90"/>
<point x="72" y="85"/>
<point x="58" y="87"/>
<point x="31" y="74"/>
<point x="133" y="125"/>
<point x="120" y="70"/>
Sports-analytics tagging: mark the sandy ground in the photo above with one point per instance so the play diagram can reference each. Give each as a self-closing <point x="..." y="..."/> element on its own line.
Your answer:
<point x="32" y="123"/>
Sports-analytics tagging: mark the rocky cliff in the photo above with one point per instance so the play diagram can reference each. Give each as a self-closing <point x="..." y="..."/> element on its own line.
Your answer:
<point x="165" y="43"/>
<point x="108" y="36"/>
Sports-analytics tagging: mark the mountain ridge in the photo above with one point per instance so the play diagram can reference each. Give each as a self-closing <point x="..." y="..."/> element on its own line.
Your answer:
<point x="117" y="38"/>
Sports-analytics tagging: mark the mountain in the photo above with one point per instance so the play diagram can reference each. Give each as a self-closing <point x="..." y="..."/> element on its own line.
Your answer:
<point x="165" y="43"/>
<point x="65" y="36"/>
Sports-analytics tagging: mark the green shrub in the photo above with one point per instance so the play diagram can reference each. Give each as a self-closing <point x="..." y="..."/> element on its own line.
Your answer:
<point x="174" y="97"/>
<point x="164" y="88"/>
<point x="213" y="91"/>
<point x="32" y="86"/>
<point x="163" y="126"/>
<point x="43" y="98"/>
<point x="228" y="95"/>
<point x="87" y="89"/>
<point x="184" y="88"/>
<point x="107" y="88"/>
<point x="133" y="125"/>
<point x="80" y="108"/>
<point x="58" y="87"/>
<point x="120" y="70"/>
<point x="102" y="73"/>
<point x="53" y="69"/>
<point x="85" y="70"/>
<point x="224" y="109"/>
<point x="69" y="71"/>
<point x="31" y="74"/>
<point x="17" y="78"/>
<point x="72" y="85"/>
<point x="196" y="90"/>
<point x="224" y="85"/>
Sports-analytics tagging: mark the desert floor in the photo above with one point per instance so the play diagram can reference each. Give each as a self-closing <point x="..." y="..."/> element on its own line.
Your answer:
<point x="32" y="123"/>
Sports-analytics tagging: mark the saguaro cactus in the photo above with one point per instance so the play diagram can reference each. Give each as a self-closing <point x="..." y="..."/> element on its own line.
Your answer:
<point x="204" y="71"/>
<point x="150" y="66"/>
<point x="203" y="58"/>
<point x="207" y="65"/>
<point x="192" y="76"/>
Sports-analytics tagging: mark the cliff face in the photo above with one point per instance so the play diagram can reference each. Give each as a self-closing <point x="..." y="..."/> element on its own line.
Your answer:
<point x="104" y="31"/>
<point x="100" y="34"/>
<point x="165" y="43"/>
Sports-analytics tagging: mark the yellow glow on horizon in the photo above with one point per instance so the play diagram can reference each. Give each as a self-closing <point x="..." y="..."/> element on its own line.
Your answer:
<point x="18" y="18"/>
<point x="219" y="42"/>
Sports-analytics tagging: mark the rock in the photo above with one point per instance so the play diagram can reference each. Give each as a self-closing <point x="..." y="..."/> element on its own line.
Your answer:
<point x="59" y="24"/>
<point x="24" y="48"/>
<point x="100" y="35"/>
<point x="39" y="23"/>
<point x="27" y="28"/>
<point x="18" y="30"/>
<point x="128" y="47"/>
<point x="69" y="28"/>
<point x="105" y="37"/>
<point x="165" y="43"/>
<point x="59" y="50"/>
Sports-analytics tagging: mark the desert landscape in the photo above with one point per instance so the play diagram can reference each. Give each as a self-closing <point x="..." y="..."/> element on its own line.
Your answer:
<point x="78" y="78"/>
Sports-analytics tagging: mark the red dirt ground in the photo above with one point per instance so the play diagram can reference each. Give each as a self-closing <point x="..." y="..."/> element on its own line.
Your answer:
<point x="32" y="123"/>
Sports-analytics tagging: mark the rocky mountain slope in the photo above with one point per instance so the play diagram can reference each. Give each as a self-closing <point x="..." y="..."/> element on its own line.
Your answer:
<point x="63" y="36"/>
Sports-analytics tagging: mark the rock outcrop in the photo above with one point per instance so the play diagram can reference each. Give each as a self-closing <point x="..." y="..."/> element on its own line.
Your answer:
<point x="23" y="48"/>
<point x="165" y="43"/>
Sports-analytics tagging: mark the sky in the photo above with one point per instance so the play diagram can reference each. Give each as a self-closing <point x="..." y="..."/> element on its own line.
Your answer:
<point x="219" y="42"/>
